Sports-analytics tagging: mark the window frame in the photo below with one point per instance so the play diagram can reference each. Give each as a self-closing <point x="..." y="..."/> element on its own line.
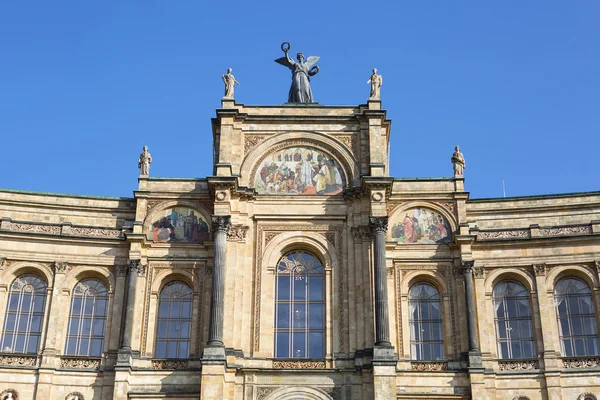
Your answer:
<point x="31" y="313"/>
<point x="189" y="296"/>
<point x="298" y="273"/>
<point x="517" y="320"/>
<point x="416" y="346"/>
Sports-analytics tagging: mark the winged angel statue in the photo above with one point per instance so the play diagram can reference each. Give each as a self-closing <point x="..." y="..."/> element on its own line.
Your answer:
<point x="301" y="72"/>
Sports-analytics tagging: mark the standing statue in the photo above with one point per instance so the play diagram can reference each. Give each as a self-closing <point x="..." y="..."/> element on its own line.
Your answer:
<point x="376" y="81"/>
<point x="301" y="72"/>
<point x="230" y="82"/>
<point x="144" y="162"/>
<point x="459" y="163"/>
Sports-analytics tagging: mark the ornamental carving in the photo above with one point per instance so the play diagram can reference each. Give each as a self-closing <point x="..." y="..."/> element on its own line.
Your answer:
<point x="251" y="141"/>
<point x="305" y="364"/>
<point x="60" y="267"/>
<point x="3" y="263"/>
<point x="505" y="234"/>
<point x="540" y="269"/>
<point x="350" y="141"/>
<point x="151" y="205"/>
<point x="269" y="236"/>
<point x="237" y="233"/>
<point x="169" y="364"/>
<point x="429" y="366"/>
<point x="24" y="361"/>
<point x="361" y="233"/>
<point x="518" y="365"/>
<point x="467" y="267"/>
<point x="329" y="236"/>
<point x="450" y="206"/>
<point x="122" y="270"/>
<point x="34" y="228"/>
<point x="221" y="223"/>
<point x="263" y="392"/>
<point x="593" y="362"/>
<point x="80" y="363"/>
<point x="137" y="267"/>
<point x="478" y="272"/>
<point x="75" y="396"/>
<point x="566" y="230"/>
<point x="378" y="224"/>
<point x="96" y="232"/>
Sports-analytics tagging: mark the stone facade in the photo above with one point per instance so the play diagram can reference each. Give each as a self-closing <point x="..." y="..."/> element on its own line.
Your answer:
<point x="363" y="235"/>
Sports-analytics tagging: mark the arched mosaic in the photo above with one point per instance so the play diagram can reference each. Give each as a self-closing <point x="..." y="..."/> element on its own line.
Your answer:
<point x="299" y="171"/>
<point x="179" y="224"/>
<point x="421" y="225"/>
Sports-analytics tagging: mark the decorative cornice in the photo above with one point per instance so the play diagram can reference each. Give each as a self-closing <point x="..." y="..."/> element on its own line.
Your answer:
<point x="378" y="224"/>
<point x="221" y="223"/>
<point x="137" y="267"/>
<point x="428" y="365"/>
<point x="581" y="362"/>
<point x="170" y="364"/>
<point x="304" y="364"/>
<point x="518" y="365"/>
<point x="80" y="362"/>
<point x="237" y="233"/>
<point x="60" y="267"/>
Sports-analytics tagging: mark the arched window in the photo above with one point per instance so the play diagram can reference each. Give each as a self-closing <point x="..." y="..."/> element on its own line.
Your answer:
<point x="425" y="319"/>
<point x="512" y="315"/>
<point x="174" y="326"/>
<point x="24" y="315"/>
<point x="300" y="306"/>
<point x="87" y="319"/>
<point x="577" y="325"/>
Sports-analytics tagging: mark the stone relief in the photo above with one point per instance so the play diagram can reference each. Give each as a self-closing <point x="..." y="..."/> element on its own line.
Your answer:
<point x="304" y="364"/>
<point x="170" y="364"/>
<point x="9" y="394"/>
<point x="57" y="229"/>
<point x="518" y="365"/>
<point x="80" y="363"/>
<point x="25" y="361"/>
<point x="237" y="233"/>
<point x="361" y="233"/>
<point x="60" y="267"/>
<point x="505" y="234"/>
<point x="592" y="362"/>
<point x="429" y="366"/>
<point x="251" y="141"/>
<point x="567" y="230"/>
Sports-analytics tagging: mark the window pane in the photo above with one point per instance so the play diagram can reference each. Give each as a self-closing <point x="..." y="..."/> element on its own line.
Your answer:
<point x="20" y="343"/>
<point x="317" y="292"/>
<point x="283" y="315"/>
<point x="317" y="318"/>
<point x="315" y="344"/>
<point x="11" y="320"/>
<point x="159" y="350"/>
<point x="71" y="346"/>
<point x="513" y="324"/>
<point x="299" y="316"/>
<point x="299" y="345"/>
<point x="32" y="346"/>
<point x="186" y="309"/>
<point x="504" y="350"/>
<point x="162" y="329"/>
<point x="283" y="287"/>
<point x="171" y="349"/>
<point x="174" y="326"/>
<point x="282" y="340"/>
<point x="299" y="288"/>
<point x="183" y="349"/>
<point x="96" y="348"/>
<point x="101" y="307"/>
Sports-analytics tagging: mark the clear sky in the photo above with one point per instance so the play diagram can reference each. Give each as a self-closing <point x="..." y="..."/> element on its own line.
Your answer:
<point x="84" y="85"/>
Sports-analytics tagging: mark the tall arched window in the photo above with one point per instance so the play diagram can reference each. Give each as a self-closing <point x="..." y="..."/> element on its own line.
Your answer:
<point x="87" y="319"/>
<point x="425" y="319"/>
<point x="174" y="326"/>
<point x="512" y="314"/>
<point x="300" y="306"/>
<point x="577" y="324"/>
<point x="24" y="315"/>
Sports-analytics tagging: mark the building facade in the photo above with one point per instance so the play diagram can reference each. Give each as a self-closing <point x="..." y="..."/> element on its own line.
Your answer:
<point x="299" y="270"/>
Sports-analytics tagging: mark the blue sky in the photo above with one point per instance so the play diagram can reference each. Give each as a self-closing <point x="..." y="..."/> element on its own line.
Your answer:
<point x="84" y="85"/>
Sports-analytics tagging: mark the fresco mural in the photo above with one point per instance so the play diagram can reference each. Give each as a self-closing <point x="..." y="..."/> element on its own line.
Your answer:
<point x="179" y="224"/>
<point x="423" y="226"/>
<point x="299" y="171"/>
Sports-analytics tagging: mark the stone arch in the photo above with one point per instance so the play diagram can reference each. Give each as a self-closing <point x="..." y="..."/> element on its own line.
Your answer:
<point x="508" y="274"/>
<point x="298" y="393"/>
<point x="299" y="240"/>
<point x="166" y="276"/>
<point x="87" y="272"/>
<point x="17" y="269"/>
<point x="576" y="271"/>
<point x="318" y="140"/>
<point x="434" y="278"/>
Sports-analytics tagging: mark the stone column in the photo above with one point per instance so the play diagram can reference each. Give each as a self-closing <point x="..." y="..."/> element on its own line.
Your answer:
<point x="378" y="227"/>
<point x="135" y="267"/>
<point x="220" y="226"/>
<point x="474" y="351"/>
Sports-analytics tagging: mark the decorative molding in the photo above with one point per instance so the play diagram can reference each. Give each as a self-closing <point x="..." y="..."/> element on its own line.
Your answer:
<point x="581" y="362"/>
<point x="96" y="232"/>
<point x="399" y="323"/>
<point x="57" y="229"/>
<point x="18" y="360"/>
<point x="566" y="230"/>
<point x="377" y="196"/>
<point x="540" y="269"/>
<point x="52" y="229"/>
<point x="209" y="271"/>
<point x="75" y="395"/>
<point x="251" y="141"/>
<point x="504" y="234"/>
<point x="518" y="365"/>
<point x="80" y="363"/>
<point x="597" y="266"/>
<point x="303" y="364"/>
<point x="263" y="392"/>
<point x="361" y="233"/>
<point x="221" y="223"/>
<point x="11" y="391"/>
<point x="478" y="272"/>
<point x="60" y="267"/>
<point x="448" y="205"/>
<point x="350" y="141"/>
<point x="391" y="207"/>
<point x="150" y="205"/>
<point x="428" y="365"/>
<point x="170" y="364"/>
<point x="451" y="287"/>
<point x="3" y="263"/>
<point x="269" y="236"/>
<point x="329" y="236"/>
<point x="137" y="266"/>
<point x="237" y="233"/>
<point x="378" y="224"/>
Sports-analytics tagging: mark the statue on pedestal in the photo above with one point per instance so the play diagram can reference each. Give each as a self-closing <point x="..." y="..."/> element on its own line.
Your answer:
<point x="301" y="72"/>
<point x="144" y="162"/>
<point x="376" y="81"/>
<point x="459" y="162"/>
<point x="230" y="82"/>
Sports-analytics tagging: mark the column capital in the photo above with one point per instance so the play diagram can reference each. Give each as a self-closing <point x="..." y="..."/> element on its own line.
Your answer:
<point x="136" y="266"/>
<point x="378" y="224"/>
<point x="221" y="223"/>
<point x="467" y="267"/>
<point x="60" y="267"/>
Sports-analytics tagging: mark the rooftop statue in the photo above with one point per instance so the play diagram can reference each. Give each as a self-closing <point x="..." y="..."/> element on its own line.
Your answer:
<point x="459" y="163"/>
<point x="230" y="82"/>
<point x="376" y="81"/>
<point x="301" y="72"/>
<point x="144" y="162"/>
